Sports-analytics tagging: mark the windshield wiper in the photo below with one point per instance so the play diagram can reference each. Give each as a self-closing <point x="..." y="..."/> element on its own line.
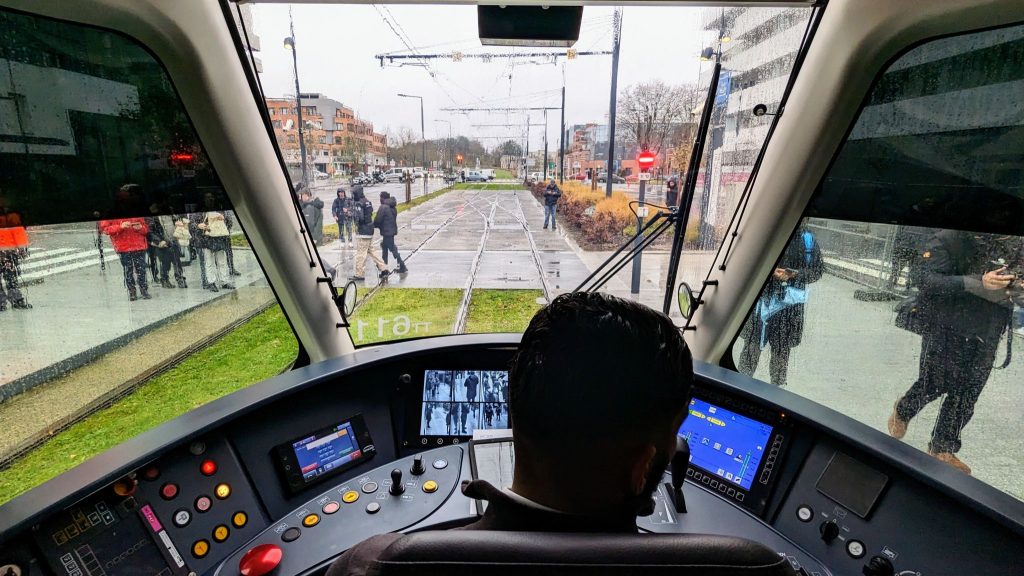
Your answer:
<point x="690" y="186"/>
<point x="661" y="221"/>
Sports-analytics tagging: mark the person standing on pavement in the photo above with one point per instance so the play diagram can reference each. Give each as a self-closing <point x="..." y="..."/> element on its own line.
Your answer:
<point x="165" y="247"/>
<point x="387" y="221"/>
<point x="13" y="248"/>
<point x="777" y="320"/>
<point x="362" y="210"/>
<point x="128" y="236"/>
<point x="218" y="239"/>
<point x="965" y="295"/>
<point x="313" y="214"/>
<point x="551" y="196"/>
<point x="672" y="192"/>
<point x="341" y="209"/>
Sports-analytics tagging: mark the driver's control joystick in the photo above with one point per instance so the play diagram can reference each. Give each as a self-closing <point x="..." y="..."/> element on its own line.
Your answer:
<point x="397" y="488"/>
<point x="417" y="465"/>
<point x="680" y="462"/>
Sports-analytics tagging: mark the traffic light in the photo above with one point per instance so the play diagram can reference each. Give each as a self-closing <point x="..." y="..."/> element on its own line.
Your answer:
<point x="458" y="158"/>
<point x="645" y="160"/>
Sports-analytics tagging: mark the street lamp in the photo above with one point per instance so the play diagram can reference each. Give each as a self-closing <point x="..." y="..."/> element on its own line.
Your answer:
<point x="422" y="129"/>
<point x="289" y="44"/>
<point x="448" y="143"/>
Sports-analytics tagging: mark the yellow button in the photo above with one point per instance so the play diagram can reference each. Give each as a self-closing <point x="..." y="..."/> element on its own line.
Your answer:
<point x="350" y="497"/>
<point x="311" y="520"/>
<point x="220" y="533"/>
<point x="200" y="548"/>
<point x="430" y="486"/>
<point x="222" y="491"/>
<point x="239" y="519"/>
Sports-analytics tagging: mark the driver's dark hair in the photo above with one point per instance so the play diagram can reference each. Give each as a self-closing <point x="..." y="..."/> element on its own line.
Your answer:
<point x="595" y="369"/>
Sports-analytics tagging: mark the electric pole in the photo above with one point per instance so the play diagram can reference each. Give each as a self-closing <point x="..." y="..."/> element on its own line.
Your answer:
<point x="617" y="29"/>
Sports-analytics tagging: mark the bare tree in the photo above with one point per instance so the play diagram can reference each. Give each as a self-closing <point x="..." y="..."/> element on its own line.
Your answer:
<point x="651" y="114"/>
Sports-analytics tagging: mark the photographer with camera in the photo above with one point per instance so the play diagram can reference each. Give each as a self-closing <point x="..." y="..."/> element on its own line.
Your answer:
<point x="967" y="284"/>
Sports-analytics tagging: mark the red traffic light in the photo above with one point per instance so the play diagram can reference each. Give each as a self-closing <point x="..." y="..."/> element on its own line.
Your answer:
<point x="645" y="159"/>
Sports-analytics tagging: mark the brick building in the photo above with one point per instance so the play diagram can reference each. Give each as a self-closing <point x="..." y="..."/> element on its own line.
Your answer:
<point x="336" y="140"/>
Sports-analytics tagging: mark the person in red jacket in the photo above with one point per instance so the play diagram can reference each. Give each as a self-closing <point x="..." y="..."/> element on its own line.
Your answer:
<point x="128" y="235"/>
<point x="13" y="245"/>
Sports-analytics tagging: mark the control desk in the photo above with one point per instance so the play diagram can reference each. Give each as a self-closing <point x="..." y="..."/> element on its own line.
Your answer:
<point x="289" y="473"/>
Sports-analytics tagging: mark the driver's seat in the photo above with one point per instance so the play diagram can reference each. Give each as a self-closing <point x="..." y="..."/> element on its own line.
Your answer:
<point x="487" y="552"/>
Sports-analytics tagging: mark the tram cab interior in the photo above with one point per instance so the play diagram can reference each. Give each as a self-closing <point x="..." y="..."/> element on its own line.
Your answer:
<point x="880" y="107"/>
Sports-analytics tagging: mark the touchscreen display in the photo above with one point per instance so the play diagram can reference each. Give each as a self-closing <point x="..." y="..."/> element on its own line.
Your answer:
<point x="457" y="402"/>
<point x="326" y="450"/>
<point x="724" y="443"/>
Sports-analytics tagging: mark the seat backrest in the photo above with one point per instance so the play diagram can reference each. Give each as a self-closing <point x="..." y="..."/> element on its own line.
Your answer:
<point x="483" y="552"/>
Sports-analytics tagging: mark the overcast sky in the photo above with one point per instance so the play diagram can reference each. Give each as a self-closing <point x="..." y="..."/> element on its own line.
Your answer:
<point x="337" y="44"/>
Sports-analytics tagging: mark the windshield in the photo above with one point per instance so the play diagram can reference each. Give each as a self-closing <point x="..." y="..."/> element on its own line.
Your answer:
<point x="898" y="300"/>
<point x="128" y="292"/>
<point x="462" y="186"/>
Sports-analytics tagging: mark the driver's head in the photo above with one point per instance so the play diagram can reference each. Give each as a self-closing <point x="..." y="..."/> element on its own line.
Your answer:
<point x="598" y="390"/>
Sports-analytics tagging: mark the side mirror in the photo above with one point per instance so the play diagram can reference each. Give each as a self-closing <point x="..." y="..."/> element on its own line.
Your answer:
<point x="686" y="301"/>
<point x="348" y="300"/>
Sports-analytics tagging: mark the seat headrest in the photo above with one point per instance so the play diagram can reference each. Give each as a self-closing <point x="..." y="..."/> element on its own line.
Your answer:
<point x="483" y="552"/>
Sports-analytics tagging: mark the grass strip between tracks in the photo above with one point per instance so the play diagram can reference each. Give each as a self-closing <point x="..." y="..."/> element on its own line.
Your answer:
<point x="482" y="186"/>
<point x="501" y="310"/>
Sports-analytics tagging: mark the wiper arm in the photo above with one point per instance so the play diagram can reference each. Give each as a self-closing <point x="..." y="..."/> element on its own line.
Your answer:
<point x="690" y="186"/>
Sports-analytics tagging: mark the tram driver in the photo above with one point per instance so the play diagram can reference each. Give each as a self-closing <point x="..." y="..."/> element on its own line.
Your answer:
<point x="598" y="389"/>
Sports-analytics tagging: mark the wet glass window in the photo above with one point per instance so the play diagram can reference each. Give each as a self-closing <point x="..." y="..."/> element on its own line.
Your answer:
<point x="473" y="240"/>
<point x="898" y="300"/>
<point x="128" y="292"/>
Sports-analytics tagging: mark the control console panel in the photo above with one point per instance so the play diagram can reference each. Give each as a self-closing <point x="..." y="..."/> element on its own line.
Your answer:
<point x="179" y="515"/>
<point x="386" y="499"/>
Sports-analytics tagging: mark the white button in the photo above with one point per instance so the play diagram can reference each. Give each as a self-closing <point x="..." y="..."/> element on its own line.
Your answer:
<point x="182" y="518"/>
<point x="804" y="513"/>
<point x="855" y="548"/>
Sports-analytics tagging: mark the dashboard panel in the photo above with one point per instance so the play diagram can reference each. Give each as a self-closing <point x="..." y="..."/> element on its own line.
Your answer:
<point x="200" y="493"/>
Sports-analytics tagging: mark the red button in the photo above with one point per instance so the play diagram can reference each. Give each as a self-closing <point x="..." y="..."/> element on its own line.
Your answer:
<point x="260" y="560"/>
<point x="151" y="473"/>
<point x="208" y="468"/>
<point x="169" y="491"/>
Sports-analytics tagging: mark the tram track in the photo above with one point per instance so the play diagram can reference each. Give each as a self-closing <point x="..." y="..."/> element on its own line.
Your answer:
<point x="486" y="205"/>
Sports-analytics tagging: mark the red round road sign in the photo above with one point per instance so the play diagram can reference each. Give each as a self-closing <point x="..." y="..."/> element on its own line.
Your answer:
<point x="645" y="159"/>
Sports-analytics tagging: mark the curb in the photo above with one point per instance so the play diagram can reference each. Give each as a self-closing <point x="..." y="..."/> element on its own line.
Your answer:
<point x="29" y="381"/>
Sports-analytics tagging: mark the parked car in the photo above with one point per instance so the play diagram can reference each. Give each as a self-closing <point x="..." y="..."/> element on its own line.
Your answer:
<point x="581" y="176"/>
<point x="395" y="174"/>
<point x="616" y="179"/>
<point x="475" y="176"/>
<point x="318" y="175"/>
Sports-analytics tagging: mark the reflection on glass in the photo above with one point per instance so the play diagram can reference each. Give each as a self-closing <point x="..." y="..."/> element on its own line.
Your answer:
<point x="912" y="327"/>
<point x="128" y="294"/>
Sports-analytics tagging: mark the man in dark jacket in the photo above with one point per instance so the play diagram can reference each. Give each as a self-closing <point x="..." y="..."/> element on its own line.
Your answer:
<point x="387" y="221"/>
<point x="362" y="210"/>
<point x="341" y="209"/>
<point x="313" y="214"/>
<point x="672" y="192"/>
<point x="567" y="382"/>
<point x="551" y="196"/>
<point x="778" y="318"/>
<point x="162" y="242"/>
<point x="965" y="296"/>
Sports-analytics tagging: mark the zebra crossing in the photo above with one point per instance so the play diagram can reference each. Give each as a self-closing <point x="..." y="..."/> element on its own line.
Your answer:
<point x="42" y="263"/>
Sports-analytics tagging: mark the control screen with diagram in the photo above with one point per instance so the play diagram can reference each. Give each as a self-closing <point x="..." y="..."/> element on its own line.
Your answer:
<point x="724" y="443"/>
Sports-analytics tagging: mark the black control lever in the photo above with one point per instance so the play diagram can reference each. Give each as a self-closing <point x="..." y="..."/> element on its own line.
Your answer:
<point x="417" y="465"/>
<point x="397" y="488"/>
<point x="680" y="462"/>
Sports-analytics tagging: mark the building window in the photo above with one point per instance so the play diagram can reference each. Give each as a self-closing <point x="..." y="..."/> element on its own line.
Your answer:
<point x="277" y="123"/>
<point x="291" y="139"/>
<point x="323" y="139"/>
